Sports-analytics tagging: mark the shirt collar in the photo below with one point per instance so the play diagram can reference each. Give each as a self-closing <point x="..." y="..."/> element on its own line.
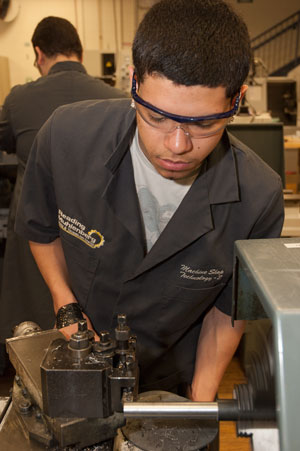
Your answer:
<point x="124" y="140"/>
<point x="221" y="173"/>
<point x="67" y="66"/>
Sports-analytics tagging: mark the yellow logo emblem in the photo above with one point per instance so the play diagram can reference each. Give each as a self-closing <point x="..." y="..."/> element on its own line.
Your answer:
<point x="99" y="238"/>
<point x="73" y="227"/>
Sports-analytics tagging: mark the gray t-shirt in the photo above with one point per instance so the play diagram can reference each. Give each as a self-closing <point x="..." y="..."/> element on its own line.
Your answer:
<point x="159" y="197"/>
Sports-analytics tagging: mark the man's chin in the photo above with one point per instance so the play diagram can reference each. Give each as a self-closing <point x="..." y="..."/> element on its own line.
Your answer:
<point x="177" y="175"/>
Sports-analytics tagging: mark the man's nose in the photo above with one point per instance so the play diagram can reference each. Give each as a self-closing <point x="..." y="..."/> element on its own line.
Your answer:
<point x="178" y="141"/>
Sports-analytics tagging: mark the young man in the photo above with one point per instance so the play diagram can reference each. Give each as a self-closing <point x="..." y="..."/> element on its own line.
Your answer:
<point x="58" y="50"/>
<point x="136" y="210"/>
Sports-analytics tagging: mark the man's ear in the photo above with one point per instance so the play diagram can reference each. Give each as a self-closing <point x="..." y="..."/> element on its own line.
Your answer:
<point x="242" y="93"/>
<point x="40" y="56"/>
<point x="131" y="71"/>
<point x="243" y="90"/>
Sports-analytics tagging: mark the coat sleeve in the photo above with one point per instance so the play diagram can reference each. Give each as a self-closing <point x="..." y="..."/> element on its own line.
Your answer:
<point x="267" y="225"/>
<point x="37" y="209"/>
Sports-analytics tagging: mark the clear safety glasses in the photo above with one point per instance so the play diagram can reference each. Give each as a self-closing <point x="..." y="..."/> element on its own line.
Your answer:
<point x="195" y="127"/>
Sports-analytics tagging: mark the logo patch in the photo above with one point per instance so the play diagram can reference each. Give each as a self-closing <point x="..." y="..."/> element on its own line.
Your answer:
<point x="72" y="226"/>
<point x="205" y="275"/>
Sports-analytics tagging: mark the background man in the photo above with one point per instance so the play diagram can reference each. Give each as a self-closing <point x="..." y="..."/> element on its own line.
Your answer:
<point x="58" y="51"/>
<point x="136" y="210"/>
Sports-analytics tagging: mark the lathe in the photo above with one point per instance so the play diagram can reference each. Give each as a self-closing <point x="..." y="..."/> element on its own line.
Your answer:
<point x="83" y="395"/>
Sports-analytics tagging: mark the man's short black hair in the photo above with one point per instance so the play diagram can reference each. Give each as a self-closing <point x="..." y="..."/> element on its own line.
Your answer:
<point x="55" y="35"/>
<point x="193" y="42"/>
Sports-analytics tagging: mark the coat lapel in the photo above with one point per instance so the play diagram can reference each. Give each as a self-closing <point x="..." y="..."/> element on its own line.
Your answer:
<point x="120" y="193"/>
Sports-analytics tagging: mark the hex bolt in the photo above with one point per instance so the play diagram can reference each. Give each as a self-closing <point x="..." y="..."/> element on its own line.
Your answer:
<point x="79" y="342"/>
<point x="122" y="332"/>
<point x="82" y="325"/>
<point x="80" y="338"/>
<point x="121" y="321"/>
<point x="104" y="338"/>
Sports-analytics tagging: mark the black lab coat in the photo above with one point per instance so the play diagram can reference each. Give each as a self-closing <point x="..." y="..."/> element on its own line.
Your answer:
<point x="79" y="185"/>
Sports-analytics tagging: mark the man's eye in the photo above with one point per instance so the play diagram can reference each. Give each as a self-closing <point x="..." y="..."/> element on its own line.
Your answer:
<point x="157" y="119"/>
<point x="204" y="124"/>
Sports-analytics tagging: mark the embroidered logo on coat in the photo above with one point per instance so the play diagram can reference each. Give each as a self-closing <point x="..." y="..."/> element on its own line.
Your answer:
<point x="205" y="275"/>
<point x="92" y="238"/>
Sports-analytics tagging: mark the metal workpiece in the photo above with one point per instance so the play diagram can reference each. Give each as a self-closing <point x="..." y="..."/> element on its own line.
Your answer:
<point x="168" y="434"/>
<point x="208" y="411"/>
<point x="241" y="409"/>
<point x="267" y="283"/>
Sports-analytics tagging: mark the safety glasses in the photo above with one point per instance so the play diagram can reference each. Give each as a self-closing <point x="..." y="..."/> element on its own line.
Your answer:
<point x="194" y="126"/>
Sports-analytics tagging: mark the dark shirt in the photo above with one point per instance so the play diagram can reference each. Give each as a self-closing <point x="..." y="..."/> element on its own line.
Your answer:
<point x="28" y="106"/>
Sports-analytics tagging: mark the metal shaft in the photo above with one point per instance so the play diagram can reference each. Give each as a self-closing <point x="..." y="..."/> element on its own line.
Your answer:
<point x="200" y="410"/>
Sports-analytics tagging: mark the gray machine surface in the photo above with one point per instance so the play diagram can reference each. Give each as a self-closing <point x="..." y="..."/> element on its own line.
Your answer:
<point x="267" y="284"/>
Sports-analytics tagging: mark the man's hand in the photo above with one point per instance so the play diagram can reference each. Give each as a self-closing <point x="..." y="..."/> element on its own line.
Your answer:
<point x="69" y="330"/>
<point x="216" y="346"/>
<point x="52" y="265"/>
<point x="189" y="393"/>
